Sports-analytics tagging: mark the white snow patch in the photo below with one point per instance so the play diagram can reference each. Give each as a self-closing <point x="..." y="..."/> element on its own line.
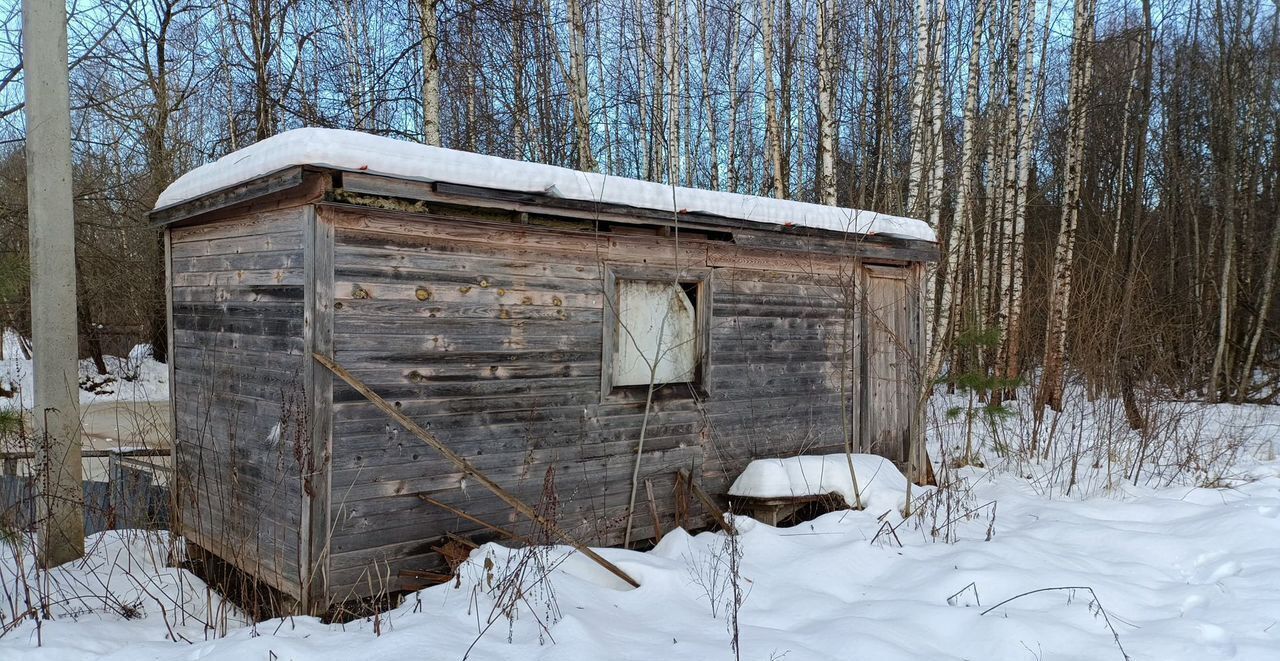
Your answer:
<point x="1183" y="573"/>
<point x="121" y="594"/>
<point x="138" y="377"/>
<point x="880" y="484"/>
<point x="361" y="152"/>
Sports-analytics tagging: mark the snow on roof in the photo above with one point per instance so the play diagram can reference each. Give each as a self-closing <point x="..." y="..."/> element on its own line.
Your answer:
<point x="354" y="151"/>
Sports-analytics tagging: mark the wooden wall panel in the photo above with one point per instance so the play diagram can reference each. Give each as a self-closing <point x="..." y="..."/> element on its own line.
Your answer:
<point x="490" y="335"/>
<point x="237" y="292"/>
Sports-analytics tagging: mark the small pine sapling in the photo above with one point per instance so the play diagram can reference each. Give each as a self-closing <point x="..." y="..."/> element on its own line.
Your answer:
<point x="979" y="382"/>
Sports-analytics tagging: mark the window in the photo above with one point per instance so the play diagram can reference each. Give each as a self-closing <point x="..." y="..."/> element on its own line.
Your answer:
<point x="655" y="328"/>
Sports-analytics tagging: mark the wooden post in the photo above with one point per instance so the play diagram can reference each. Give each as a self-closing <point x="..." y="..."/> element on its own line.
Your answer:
<point x="60" y="513"/>
<point x="653" y="512"/>
<point x="115" y="492"/>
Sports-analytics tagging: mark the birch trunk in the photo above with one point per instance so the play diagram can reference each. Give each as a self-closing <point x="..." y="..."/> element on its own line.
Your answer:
<point x="1008" y="246"/>
<point x="826" y="175"/>
<point x="919" y="132"/>
<point x="578" y="72"/>
<point x="1028" y="112"/>
<point x="1224" y="148"/>
<point x="658" y="118"/>
<point x="934" y="188"/>
<point x="1264" y="309"/>
<point x="428" y="25"/>
<point x="1273" y="251"/>
<point x="1051" y="386"/>
<point x="959" y="232"/>
<point x="708" y="99"/>
<point x="519" y="105"/>
<point x="732" y="43"/>
<point x="672" y="52"/>
<point x="773" y="137"/>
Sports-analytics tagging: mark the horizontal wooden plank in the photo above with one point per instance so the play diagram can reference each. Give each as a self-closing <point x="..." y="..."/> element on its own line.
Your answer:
<point x="348" y="288"/>
<point x="291" y="179"/>
<point x="461" y="258"/>
<point x="435" y="356"/>
<point x="795" y="261"/>
<point x="197" y="339"/>
<point x="541" y="342"/>
<point x="467" y="371"/>
<point x="255" y="260"/>
<point x="284" y="327"/>
<point x="399" y="452"/>
<point x="402" y="387"/>
<point x="284" y="241"/>
<point x="430" y="473"/>
<point x="239" y="309"/>
<point x="572" y="421"/>
<point x="376" y="309"/>
<point x="253" y="224"/>
<point x="443" y="277"/>
<point x="408" y="397"/>
<point x="748" y="310"/>
<point x="271" y="277"/>
<point x="404" y="226"/>
<point x="243" y="294"/>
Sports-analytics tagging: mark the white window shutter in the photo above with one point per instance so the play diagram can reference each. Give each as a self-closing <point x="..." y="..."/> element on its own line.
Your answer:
<point x="657" y="331"/>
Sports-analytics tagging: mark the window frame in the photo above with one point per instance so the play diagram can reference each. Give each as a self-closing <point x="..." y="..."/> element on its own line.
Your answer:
<point x="699" y="276"/>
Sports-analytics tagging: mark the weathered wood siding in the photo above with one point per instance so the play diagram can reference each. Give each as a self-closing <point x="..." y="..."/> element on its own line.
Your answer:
<point x="237" y="292"/>
<point x="490" y="335"/>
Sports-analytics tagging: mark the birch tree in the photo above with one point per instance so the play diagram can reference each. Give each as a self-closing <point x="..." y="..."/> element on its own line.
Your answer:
<point x="773" y="130"/>
<point x="1055" y="348"/>
<point x="428" y="26"/>
<point x="826" y="175"/>
<point x="578" y="71"/>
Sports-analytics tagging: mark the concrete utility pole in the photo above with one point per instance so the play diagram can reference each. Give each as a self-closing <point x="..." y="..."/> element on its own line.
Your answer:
<point x="60" y="511"/>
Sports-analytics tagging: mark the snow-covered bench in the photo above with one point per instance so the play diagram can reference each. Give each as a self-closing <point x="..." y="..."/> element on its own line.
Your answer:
<point x="773" y="489"/>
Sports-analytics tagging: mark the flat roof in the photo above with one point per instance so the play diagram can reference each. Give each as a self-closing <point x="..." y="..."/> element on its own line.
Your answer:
<point x="361" y="152"/>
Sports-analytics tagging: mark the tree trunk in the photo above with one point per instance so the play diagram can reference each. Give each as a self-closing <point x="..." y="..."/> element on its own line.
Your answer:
<point x="1127" y="364"/>
<point x="919" y="127"/>
<point x="1012" y="364"/>
<point x="826" y="175"/>
<point x="1051" y="386"/>
<point x="773" y="137"/>
<point x="578" y="72"/>
<point x="428" y="25"/>
<point x="959" y="231"/>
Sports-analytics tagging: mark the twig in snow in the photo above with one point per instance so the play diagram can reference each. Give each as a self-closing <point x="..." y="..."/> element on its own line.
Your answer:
<point x="884" y="525"/>
<point x="1071" y="588"/>
<point x="951" y="601"/>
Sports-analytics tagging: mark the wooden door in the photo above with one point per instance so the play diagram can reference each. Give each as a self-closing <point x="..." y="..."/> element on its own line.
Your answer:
<point x="889" y="362"/>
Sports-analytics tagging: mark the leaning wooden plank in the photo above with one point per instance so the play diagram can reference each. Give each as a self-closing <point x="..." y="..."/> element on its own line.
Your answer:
<point x="708" y="503"/>
<point x="682" y="501"/>
<point x="430" y="439"/>
<point x="653" y="512"/>
<point x="453" y="510"/>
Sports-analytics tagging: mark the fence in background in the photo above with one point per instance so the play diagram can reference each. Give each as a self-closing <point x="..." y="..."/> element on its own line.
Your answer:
<point x="130" y="498"/>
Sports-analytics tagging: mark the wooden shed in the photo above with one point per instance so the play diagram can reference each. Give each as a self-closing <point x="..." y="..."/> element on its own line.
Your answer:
<point x="520" y="313"/>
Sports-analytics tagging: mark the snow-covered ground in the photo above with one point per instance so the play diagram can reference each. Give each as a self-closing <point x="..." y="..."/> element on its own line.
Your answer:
<point x="1129" y="549"/>
<point x="137" y="377"/>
